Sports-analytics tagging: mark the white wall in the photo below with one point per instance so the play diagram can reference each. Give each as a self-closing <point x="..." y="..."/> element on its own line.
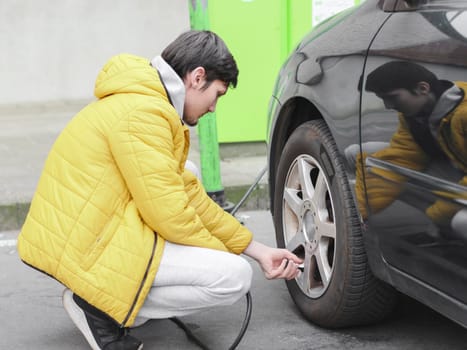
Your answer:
<point x="52" y="50"/>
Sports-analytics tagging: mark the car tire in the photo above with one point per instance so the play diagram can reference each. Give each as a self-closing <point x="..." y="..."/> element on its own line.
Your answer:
<point x="315" y="217"/>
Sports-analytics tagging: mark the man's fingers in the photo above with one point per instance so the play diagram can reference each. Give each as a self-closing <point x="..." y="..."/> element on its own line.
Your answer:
<point x="291" y="270"/>
<point x="291" y="256"/>
<point x="287" y="269"/>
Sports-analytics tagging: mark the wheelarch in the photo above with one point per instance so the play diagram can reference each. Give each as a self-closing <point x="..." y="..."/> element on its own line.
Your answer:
<point x="292" y="114"/>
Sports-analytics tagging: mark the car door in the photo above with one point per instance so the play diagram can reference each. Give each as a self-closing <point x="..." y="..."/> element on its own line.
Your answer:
<point x="414" y="184"/>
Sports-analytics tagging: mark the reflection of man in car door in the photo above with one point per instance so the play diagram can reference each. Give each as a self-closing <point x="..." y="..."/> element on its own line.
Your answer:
<point x="432" y="131"/>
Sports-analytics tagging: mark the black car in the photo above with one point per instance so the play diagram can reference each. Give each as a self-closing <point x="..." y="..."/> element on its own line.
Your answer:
<point x="367" y="154"/>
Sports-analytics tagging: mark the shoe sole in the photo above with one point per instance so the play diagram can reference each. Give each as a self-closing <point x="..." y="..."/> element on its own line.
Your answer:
<point x="79" y="318"/>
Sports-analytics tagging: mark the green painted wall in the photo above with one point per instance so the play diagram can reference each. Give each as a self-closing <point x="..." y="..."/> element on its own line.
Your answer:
<point x="257" y="34"/>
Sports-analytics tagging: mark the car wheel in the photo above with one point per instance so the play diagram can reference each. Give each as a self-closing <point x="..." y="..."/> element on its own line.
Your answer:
<point x="315" y="217"/>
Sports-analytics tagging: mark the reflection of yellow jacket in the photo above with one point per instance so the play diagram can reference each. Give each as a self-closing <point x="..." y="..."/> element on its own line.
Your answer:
<point x="114" y="177"/>
<point x="404" y="151"/>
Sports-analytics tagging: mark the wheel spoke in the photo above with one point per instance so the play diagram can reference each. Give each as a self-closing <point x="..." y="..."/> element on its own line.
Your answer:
<point x="321" y="188"/>
<point x="326" y="229"/>
<point x="304" y="279"/>
<point x="296" y="242"/>
<point x="322" y="261"/>
<point x="293" y="200"/>
<point x="304" y="169"/>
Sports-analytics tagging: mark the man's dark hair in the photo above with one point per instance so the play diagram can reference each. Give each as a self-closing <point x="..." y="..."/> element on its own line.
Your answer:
<point x="399" y="75"/>
<point x="205" y="49"/>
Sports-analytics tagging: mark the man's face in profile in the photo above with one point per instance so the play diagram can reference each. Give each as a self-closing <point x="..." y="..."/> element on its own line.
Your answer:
<point x="409" y="102"/>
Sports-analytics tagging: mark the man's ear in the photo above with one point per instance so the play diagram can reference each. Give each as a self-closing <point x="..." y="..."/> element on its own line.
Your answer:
<point x="196" y="78"/>
<point x="423" y="88"/>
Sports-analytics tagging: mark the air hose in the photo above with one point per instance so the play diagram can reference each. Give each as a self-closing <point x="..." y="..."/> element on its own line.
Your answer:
<point x="190" y="335"/>
<point x="248" y="192"/>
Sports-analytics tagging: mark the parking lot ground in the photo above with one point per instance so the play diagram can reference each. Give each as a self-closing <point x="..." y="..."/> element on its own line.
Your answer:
<point x="33" y="318"/>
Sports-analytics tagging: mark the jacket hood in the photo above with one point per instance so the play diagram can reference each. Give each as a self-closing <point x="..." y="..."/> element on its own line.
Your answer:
<point x="127" y="73"/>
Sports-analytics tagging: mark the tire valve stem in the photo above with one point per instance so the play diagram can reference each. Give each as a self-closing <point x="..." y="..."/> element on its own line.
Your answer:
<point x="301" y="267"/>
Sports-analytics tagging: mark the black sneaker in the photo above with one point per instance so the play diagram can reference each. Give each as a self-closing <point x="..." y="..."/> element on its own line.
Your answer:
<point x="101" y="332"/>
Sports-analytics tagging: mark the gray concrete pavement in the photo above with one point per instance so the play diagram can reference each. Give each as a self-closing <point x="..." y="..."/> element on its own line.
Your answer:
<point x="33" y="318"/>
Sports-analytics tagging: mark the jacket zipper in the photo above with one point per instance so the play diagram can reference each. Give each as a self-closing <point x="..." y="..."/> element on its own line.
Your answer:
<point x="122" y="325"/>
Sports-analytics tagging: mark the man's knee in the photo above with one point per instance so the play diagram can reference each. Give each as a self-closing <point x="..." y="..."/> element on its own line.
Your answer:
<point x="239" y="277"/>
<point x="246" y="273"/>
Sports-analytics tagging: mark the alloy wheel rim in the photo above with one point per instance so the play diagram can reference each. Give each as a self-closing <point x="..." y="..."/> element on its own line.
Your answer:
<point x="309" y="227"/>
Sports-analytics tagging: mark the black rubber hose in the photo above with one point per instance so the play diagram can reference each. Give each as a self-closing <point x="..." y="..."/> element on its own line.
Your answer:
<point x="190" y="335"/>
<point x="246" y="321"/>
<point x="250" y="189"/>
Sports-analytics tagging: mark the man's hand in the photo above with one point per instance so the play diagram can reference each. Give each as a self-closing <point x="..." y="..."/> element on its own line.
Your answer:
<point x="275" y="263"/>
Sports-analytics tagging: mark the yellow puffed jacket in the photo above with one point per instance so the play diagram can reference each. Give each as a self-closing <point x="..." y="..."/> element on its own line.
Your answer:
<point x="115" y="176"/>
<point x="404" y="151"/>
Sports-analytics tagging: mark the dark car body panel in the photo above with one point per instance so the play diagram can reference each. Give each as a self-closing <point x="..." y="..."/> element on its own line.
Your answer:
<point x="322" y="79"/>
<point x="323" y="66"/>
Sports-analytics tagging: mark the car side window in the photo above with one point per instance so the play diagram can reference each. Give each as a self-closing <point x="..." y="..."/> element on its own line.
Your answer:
<point x="454" y="22"/>
<point x="412" y="5"/>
